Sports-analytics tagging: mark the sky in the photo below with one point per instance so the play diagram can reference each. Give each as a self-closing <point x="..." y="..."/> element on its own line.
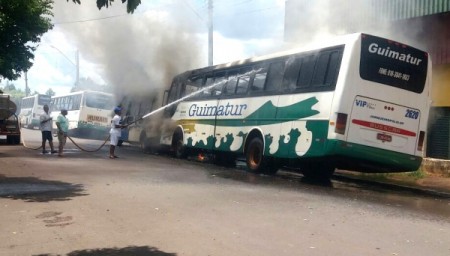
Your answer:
<point x="143" y="51"/>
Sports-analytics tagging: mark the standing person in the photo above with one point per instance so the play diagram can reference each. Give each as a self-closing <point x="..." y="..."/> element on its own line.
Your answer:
<point x="115" y="132"/>
<point x="46" y="124"/>
<point x="63" y="127"/>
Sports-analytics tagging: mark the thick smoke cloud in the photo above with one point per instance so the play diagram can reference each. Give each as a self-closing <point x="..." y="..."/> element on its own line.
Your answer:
<point x="315" y="20"/>
<point x="139" y="53"/>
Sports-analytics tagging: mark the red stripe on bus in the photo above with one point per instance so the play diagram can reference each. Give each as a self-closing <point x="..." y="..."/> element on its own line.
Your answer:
<point x="383" y="127"/>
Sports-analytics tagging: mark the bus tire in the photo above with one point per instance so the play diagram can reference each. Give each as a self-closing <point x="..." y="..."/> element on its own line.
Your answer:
<point x="143" y="141"/>
<point x="254" y="155"/>
<point x="179" y="148"/>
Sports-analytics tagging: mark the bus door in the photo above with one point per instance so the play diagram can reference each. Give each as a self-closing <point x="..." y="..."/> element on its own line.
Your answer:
<point x="383" y="125"/>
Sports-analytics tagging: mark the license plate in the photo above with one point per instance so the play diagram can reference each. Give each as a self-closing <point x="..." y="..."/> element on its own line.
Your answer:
<point x="384" y="137"/>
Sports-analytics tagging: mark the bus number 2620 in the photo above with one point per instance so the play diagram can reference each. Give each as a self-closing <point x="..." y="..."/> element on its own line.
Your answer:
<point x="413" y="114"/>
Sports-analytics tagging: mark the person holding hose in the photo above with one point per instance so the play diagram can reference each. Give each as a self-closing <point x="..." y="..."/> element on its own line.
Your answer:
<point x="63" y="127"/>
<point x="46" y="129"/>
<point x="115" y="132"/>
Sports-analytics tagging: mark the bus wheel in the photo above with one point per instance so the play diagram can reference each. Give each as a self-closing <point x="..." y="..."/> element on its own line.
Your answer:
<point x="254" y="155"/>
<point x="143" y="143"/>
<point x="180" y="150"/>
<point x="318" y="172"/>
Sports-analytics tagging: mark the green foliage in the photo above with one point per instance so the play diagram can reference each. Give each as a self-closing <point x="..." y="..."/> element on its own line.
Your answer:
<point x="50" y="92"/>
<point x="131" y="4"/>
<point x="22" y="23"/>
<point x="419" y="174"/>
<point x="16" y="95"/>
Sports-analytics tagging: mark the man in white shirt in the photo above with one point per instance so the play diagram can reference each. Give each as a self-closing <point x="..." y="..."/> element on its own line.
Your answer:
<point x="46" y="124"/>
<point x="116" y="130"/>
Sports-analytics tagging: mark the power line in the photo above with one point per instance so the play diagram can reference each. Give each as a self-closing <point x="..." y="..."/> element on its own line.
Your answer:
<point x="94" y="19"/>
<point x="188" y="6"/>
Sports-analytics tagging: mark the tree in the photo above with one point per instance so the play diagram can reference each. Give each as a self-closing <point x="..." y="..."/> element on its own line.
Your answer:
<point x="131" y="4"/>
<point x="50" y="92"/>
<point x="16" y="94"/>
<point x="22" y="23"/>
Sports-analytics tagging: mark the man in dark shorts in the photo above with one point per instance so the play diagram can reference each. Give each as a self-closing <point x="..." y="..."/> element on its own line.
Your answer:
<point x="46" y="129"/>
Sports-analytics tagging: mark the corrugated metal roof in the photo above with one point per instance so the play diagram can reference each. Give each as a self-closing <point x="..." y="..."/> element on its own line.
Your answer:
<point x="405" y="9"/>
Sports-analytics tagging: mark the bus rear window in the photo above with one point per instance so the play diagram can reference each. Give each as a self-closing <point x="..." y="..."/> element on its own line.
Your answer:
<point x="43" y="99"/>
<point x="392" y="63"/>
<point x="99" y="101"/>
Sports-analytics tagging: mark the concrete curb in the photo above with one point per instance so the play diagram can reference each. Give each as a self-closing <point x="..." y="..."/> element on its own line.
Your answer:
<point x="392" y="185"/>
<point x="436" y="166"/>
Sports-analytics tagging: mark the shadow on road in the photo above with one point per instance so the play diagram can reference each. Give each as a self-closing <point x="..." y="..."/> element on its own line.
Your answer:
<point x="30" y="189"/>
<point x="126" y="251"/>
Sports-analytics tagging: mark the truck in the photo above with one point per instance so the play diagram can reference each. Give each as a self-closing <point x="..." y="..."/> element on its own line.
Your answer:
<point x="9" y="121"/>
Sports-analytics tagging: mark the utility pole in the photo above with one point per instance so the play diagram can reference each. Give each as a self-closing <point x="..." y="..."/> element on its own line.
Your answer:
<point x="26" y="84"/>
<point x="210" y="33"/>
<point x="77" y="58"/>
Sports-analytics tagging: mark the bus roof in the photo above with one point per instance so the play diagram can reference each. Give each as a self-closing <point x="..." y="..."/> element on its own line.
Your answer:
<point x="314" y="45"/>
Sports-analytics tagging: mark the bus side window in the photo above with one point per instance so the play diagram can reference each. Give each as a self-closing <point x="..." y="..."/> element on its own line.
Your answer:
<point x="52" y="104"/>
<point x="291" y="74"/>
<point x="76" y="102"/>
<point x="306" y="71"/>
<point x="219" y="83"/>
<point x="259" y="80"/>
<point x="275" y="76"/>
<point x="333" y="68"/>
<point x="192" y="85"/>
<point x="326" y="69"/>
<point x="70" y="103"/>
<point x="321" y="69"/>
<point x="230" y="87"/>
<point x="63" y="103"/>
<point x="242" y="84"/>
<point x="207" y="87"/>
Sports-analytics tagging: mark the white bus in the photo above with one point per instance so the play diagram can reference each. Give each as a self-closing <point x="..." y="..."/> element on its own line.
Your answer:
<point x="31" y="109"/>
<point x="89" y="112"/>
<point x="359" y="102"/>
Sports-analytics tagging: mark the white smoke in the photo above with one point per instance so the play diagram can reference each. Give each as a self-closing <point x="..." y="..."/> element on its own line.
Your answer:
<point x="138" y="53"/>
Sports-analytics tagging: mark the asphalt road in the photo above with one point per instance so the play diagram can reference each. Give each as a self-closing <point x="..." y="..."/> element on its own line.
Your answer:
<point x="141" y="204"/>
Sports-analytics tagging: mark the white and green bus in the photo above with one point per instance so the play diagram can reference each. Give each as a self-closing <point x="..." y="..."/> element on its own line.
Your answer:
<point x="359" y="102"/>
<point x="89" y="112"/>
<point x="31" y="109"/>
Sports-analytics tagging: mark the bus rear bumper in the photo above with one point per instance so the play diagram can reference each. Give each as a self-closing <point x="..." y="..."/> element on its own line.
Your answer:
<point x="355" y="157"/>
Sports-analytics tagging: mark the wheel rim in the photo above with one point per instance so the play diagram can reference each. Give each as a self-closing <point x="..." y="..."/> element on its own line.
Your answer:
<point x="255" y="156"/>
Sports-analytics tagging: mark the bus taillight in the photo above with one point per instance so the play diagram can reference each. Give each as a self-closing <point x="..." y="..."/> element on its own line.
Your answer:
<point x="341" y="123"/>
<point x="421" y="139"/>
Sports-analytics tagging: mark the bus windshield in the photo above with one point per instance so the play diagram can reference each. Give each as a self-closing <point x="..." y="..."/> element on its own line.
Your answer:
<point x="100" y="101"/>
<point x="44" y="99"/>
<point x="388" y="62"/>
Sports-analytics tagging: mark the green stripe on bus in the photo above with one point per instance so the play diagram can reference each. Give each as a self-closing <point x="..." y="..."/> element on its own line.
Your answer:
<point x="269" y="114"/>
